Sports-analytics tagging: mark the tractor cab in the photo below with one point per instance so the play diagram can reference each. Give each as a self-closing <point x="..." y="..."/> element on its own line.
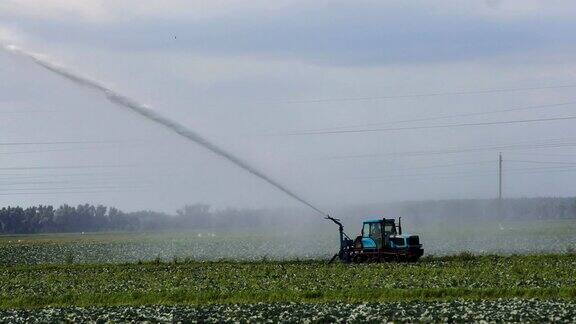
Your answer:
<point x="376" y="233"/>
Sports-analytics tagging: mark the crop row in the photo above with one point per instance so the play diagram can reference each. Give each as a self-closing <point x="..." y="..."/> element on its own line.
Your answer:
<point x="200" y="282"/>
<point x="514" y="310"/>
<point x="93" y="248"/>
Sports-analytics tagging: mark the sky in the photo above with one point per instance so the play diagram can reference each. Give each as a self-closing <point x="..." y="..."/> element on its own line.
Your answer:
<point x="344" y="102"/>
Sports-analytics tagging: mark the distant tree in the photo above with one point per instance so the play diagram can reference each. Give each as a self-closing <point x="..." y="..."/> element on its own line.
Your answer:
<point x="101" y="220"/>
<point x="65" y="218"/>
<point x="197" y="215"/>
<point x="31" y="221"/>
<point x="86" y="217"/>
<point x="573" y="209"/>
<point x="46" y="222"/>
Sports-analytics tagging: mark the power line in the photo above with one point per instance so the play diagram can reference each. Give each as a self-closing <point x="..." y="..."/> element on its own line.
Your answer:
<point x="60" y="143"/>
<point x="25" y="111"/>
<point x="552" y="143"/>
<point x="69" y="188"/>
<point x="424" y="174"/>
<point x="443" y="117"/>
<point x="439" y="166"/>
<point x="419" y="95"/>
<point x="104" y="146"/>
<point x="469" y="173"/>
<point x="542" y="162"/>
<point x="60" y="150"/>
<point x="97" y="176"/>
<point x="70" y="167"/>
<point x="506" y="122"/>
<point x="77" y="181"/>
<point x="70" y="192"/>
<point x="465" y="176"/>
<point x="28" y="176"/>
<point x="571" y="156"/>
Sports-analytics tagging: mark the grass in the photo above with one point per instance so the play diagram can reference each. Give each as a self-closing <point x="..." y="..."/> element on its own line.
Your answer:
<point x="463" y="276"/>
<point x="180" y="297"/>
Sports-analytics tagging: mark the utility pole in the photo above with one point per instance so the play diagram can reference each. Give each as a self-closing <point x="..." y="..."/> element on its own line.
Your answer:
<point x="500" y="186"/>
<point x="500" y="177"/>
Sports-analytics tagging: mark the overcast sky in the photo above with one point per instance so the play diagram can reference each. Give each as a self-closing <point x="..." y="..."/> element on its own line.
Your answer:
<point x="248" y="73"/>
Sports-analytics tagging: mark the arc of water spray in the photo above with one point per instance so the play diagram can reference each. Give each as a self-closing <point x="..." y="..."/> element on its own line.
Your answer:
<point x="150" y="114"/>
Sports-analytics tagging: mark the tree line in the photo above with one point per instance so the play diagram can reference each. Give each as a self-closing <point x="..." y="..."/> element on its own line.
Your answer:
<point x="91" y="218"/>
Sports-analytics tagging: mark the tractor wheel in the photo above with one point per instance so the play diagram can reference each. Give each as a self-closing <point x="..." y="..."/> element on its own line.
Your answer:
<point x="413" y="259"/>
<point x="358" y="258"/>
<point x="372" y="260"/>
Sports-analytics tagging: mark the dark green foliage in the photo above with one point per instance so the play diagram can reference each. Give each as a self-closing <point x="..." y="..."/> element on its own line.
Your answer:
<point x="46" y="219"/>
<point x="69" y="258"/>
<point x="193" y="282"/>
<point x="459" y="311"/>
<point x="90" y="218"/>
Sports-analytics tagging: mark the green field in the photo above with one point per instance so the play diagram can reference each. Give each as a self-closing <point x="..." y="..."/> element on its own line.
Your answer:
<point x="534" y="237"/>
<point x="193" y="289"/>
<point x="460" y="311"/>
<point x="192" y="282"/>
<point x="225" y="277"/>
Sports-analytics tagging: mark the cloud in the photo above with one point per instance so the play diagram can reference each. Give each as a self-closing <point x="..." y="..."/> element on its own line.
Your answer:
<point x="509" y="9"/>
<point x="105" y="11"/>
<point x="54" y="9"/>
<point x="9" y="36"/>
<point x="334" y="33"/>
<point x="215" y="69"/>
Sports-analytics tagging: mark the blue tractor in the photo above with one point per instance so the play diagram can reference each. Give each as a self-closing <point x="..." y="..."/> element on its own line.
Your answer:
<point x="380" y="240"/>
